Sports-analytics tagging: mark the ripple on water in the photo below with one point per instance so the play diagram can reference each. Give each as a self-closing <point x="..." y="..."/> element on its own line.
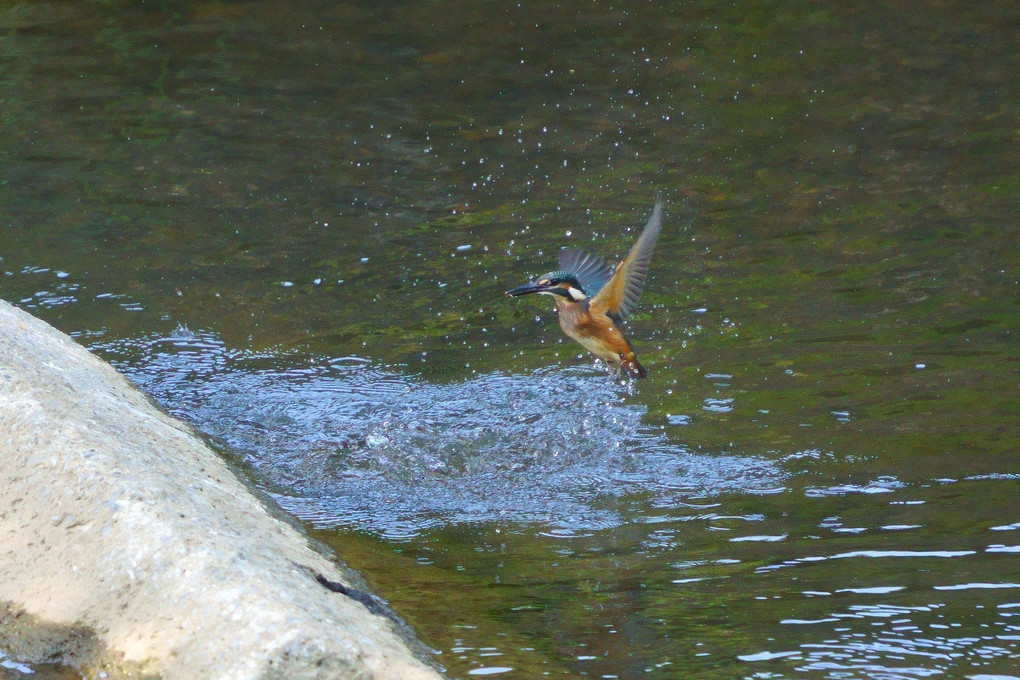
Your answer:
<point x="900" y="641"/>
<point x="344" y="442"/>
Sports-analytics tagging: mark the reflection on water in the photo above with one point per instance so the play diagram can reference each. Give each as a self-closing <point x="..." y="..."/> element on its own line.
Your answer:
<point x="342" y="442"/>
<point x="10" y="668"/>
<point x="819" y="477"/>
<point x="570" y="536"/>
<point x="906" y="642"/>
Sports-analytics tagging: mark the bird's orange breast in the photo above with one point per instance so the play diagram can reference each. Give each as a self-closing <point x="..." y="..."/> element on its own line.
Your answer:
<point x="595" y="332"/>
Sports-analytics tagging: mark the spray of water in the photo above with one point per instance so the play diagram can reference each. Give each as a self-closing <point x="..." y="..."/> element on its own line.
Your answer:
<point x="345" y="442"/>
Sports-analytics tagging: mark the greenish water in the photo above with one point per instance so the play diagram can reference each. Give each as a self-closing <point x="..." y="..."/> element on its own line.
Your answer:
<point x="293" y="225"/>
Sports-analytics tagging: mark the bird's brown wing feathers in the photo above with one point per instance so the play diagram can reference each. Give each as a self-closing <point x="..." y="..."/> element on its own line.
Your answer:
<point x="619" y="297"/>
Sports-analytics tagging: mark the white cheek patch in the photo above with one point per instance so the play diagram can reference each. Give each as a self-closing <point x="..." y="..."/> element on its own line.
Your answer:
<point x="576" y="295"/>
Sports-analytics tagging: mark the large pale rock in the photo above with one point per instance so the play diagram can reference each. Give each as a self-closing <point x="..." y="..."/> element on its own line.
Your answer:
<point x="117" y="520"/>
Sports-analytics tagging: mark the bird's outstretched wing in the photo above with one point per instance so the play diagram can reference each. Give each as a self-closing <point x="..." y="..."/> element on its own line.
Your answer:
<point x="619" y="297"/>
<point x="591" y="271"/>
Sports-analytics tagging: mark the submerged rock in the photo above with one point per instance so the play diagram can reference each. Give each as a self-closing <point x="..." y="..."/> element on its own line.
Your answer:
<point x="127" y="544"/>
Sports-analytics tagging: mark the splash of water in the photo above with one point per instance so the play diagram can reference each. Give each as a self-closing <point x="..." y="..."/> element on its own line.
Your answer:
<point x="344" y="442"/>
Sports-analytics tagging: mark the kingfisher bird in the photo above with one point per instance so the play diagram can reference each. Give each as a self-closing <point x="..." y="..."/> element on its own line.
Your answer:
<point x="593" y="300"/>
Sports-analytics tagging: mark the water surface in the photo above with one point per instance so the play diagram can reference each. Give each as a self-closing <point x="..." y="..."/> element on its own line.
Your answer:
<point x="293" y="226"/>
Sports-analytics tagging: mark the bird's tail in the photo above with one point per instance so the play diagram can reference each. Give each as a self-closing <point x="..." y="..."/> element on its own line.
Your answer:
<point x="634" y="367"/>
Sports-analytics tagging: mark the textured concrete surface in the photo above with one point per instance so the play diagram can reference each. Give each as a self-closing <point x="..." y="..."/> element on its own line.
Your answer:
<point x="121" y="528"/>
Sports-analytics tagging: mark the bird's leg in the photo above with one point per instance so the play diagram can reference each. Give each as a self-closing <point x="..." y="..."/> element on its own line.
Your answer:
<point x="617" y="370"/>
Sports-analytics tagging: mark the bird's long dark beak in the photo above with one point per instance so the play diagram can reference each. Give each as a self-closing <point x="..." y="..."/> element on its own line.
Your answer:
<point x="528" y="288"/>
